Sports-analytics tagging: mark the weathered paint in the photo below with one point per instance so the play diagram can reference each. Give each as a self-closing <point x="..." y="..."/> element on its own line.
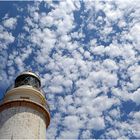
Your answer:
<point x="22" y="123"/>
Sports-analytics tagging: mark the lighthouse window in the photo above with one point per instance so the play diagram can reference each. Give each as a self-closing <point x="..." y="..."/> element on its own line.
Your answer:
<point x="27" y="80"/>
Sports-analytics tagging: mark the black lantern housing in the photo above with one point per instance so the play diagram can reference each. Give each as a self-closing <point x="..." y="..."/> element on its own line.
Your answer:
<point x="28" y="78"/>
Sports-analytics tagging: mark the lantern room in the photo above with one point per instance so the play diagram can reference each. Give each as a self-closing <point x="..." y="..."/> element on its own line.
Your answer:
<point x="28" y="78"/>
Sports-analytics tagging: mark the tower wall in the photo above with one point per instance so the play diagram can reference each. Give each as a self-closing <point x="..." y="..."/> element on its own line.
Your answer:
<point x="22" y="123"/>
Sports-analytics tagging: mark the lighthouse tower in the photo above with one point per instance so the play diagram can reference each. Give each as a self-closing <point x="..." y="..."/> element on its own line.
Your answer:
<point x="24" y="112"/>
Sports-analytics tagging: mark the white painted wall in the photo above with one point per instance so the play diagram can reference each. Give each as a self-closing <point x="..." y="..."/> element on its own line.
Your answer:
<point x="22" y="123"/>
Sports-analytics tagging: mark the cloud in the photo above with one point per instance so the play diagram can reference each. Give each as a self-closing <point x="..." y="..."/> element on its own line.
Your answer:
<point x="6" y="39"/>
<point x="10" y="23"/>
<point x="134" y="72"/>
<point x="72" y="123"/>
<point x="87" y="55"/>
<point x="136" y="97"/>
<point x="96" y="124"/>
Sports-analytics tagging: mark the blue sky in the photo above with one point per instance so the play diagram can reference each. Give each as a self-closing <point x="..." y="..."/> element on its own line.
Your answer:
<point x="87" y="55"/>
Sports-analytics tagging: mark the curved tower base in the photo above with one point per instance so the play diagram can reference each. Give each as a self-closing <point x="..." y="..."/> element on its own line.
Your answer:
<point x="22" y="120"/>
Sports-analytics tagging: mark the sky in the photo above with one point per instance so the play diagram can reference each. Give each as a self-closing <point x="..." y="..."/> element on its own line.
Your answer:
<point x="87" y="55"/>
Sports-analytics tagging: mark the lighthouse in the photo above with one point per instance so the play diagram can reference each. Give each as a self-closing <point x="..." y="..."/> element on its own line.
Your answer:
<point x="24" y="112"/>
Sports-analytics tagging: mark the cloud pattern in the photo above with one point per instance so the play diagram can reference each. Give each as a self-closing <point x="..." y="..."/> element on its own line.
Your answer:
<point x="87" y="55"/>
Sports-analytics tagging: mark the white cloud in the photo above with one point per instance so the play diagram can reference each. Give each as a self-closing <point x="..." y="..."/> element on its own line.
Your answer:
<point x="136" y="96"/>
<point x="55" y="89"/>
<point x="134" y="73"/>
<point x="88" y="64"/>
<point x="10" y="23"/>
<point x="72" y="123"/>
<point x="86" y="134"/>
<point x="66" y="134"/>
<point x="105" y="78"/>
<point x="96" y="123"/>
<point x="110" y="64"/>
<point x="135" y="33"/>
<point x="6" y="38"/>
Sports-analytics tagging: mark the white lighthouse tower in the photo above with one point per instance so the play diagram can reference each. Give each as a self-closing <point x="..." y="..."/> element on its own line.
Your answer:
<point x="24" y="112"/>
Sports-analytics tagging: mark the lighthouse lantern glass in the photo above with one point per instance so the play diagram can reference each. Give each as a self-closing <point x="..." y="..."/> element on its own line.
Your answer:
<point x="27" y="80"/>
